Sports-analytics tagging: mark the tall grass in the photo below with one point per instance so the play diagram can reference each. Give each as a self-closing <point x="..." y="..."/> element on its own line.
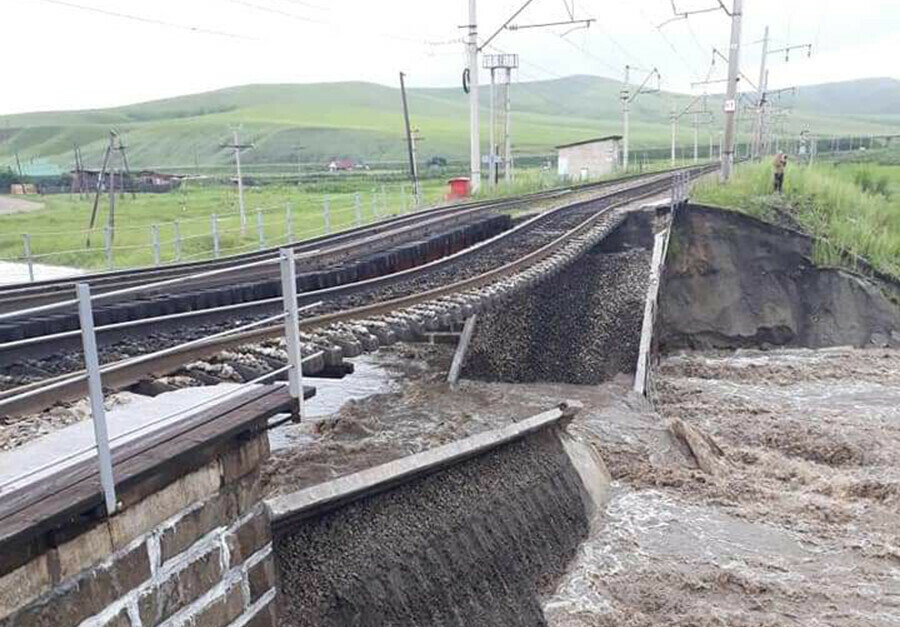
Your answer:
<point x="849" y="208"/>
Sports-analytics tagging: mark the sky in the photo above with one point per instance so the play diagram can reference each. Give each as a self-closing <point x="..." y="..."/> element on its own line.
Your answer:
<point x="76" y="54"/>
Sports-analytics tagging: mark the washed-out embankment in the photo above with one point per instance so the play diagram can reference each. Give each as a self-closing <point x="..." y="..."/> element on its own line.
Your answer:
<point x="478" y="531"/>
<point x="733" y="281"/>
<point x="480" y="534"/>
<point x="475" y="532"/>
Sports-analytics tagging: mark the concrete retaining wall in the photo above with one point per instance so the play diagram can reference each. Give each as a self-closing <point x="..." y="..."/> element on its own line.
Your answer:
<point x="473" y="543"/>
<point x="197" y="551"/>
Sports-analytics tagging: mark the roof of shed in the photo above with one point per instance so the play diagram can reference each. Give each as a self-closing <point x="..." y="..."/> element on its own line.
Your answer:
<point x="591" y="141"/>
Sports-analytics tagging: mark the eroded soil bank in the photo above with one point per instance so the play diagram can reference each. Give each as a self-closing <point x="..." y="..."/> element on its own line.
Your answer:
<point x="782" y="511"/>
<point x="733" y="281"/>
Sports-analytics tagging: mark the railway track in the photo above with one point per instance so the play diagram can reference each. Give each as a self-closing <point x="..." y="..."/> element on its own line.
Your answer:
<point x="316" y="252"/>
<point x="362" y="315"/>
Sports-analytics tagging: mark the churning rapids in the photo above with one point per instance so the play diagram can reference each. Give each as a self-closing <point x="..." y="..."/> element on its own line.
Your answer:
<point x="764" y="490"/>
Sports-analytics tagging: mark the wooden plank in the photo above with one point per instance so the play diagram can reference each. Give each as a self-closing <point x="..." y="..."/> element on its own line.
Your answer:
<point x="173" y="452"/>
<point x="642" y="373"/>
<point x="460" y="355"/>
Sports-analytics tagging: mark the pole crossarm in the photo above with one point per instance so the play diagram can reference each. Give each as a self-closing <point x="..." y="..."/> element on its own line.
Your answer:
<point x="640" y="90"/>
<point x="787" y="50"/>
<point x="585" y="22"/>
<point x="683" y="15"/>
<point x="743" y="76"/>
<point x="505" y="24"/>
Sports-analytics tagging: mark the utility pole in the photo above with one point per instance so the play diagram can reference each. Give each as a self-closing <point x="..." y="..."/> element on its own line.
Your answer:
<point x="731" y="103"/>
<point x="674" y="119"/>
<point x="237" y="146"/>
<point x="507" y="160"/>
<point x="472" y="73"/>
<point x="413" y="166"/>
<point x="115" y="145"/>
<point x="500" y="101"/>
<point x="627" y="98"/>
<point x="416" y="138"/>
<point x="696" y="137"/>
<point x="492" y="135"/>
<point x="761" y="111"/>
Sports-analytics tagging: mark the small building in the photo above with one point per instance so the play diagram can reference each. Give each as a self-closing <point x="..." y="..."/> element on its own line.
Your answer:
<point x="156" y="182"/>
<point x="144" y="181"/>
<point x="342" y="165"/>
<point x="589" y="159"/>
<point x="20" y="189"/>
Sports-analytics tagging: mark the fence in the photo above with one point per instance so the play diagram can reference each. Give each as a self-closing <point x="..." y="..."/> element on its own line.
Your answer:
<point x="212" y="236"/>
<point x="94" y="372"/>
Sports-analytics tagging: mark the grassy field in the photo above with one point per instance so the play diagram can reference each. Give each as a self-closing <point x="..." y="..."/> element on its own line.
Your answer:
<point x="58" y="231"/>
<point x="853" y="207"/>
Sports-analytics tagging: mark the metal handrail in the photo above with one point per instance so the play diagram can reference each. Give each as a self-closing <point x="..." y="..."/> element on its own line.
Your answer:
<point x="93" y="370"/>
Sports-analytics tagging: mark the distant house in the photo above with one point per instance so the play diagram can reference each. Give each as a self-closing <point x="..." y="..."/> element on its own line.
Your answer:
<point x="18" y="189"/>
<point x="143" y="181"/>
<point x="342" y="165"/>
<point x="150" y="181"/>
<point x="589" y="159"/>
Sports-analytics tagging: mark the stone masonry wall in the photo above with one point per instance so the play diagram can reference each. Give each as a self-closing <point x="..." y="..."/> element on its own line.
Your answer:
<point x="196" y="552"/>
<point x="582" y="327"/>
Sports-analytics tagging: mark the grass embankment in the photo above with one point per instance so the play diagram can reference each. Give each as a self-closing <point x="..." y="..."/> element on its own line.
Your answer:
<point x="58" y="231"/>
<point x="851" y="207"/>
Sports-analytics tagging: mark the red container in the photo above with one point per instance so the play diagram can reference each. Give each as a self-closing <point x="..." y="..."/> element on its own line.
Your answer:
<point x="459" y="188"/>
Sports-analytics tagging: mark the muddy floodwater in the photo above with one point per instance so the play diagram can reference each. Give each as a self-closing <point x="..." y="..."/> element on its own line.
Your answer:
<point x="763" y="490"/>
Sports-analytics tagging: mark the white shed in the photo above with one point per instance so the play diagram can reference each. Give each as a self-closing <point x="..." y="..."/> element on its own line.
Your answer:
<point x="589" y="159"/>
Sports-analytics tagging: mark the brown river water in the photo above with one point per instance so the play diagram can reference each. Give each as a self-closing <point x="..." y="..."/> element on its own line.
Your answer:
<point x="786" y="513"/>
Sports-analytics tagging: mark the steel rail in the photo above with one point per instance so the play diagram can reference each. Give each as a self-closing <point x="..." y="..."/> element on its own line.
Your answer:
<point x="36" y="396"/>
<point x="100" y="281"/>
<point x="247" y="307"/>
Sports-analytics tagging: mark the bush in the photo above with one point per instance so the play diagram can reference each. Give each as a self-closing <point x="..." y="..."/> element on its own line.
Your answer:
<point x="7" y="178"/>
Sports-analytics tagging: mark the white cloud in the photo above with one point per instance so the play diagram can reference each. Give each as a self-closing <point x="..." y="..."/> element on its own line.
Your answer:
<point x="84" y="59"/>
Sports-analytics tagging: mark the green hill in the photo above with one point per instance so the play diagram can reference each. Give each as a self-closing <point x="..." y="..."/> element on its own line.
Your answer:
<point x="363" y="121"/>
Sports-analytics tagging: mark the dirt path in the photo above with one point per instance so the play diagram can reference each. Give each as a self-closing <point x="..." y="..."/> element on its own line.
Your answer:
<point x="12" y="204"/>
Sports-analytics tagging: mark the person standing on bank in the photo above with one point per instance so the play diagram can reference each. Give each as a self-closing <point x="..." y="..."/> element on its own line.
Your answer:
<point x="781" y="160"/>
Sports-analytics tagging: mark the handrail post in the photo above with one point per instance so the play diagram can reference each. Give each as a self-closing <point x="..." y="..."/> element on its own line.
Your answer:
<point x="29" y="259"/>
<point x="292" y="328"/>
<point x="261" y="229"/>
<point x="95" y="393"/>
<point x="156" y="245"/>
<point x="357" y="202"/>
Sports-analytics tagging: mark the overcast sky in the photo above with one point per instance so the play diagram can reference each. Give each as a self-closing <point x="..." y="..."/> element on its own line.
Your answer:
<point x="58" y="54"/>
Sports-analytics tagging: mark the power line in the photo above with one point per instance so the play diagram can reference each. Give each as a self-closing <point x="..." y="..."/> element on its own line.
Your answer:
<point x="589" y="54"/>
<point x="341" y="24"/>
<point x="659" y="31"/>
<point x="266" y="9"/>
<point x="149" y="20"/>
<point x="308" y="5"/>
